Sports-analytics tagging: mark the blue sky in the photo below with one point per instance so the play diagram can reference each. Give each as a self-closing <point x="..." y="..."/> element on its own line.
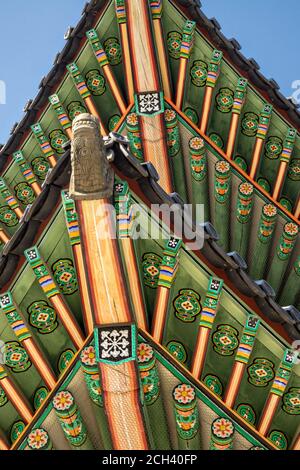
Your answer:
<point x="31" y="34"/>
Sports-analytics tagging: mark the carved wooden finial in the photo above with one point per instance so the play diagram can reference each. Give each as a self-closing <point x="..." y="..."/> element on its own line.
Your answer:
<point x="92" y="176"/>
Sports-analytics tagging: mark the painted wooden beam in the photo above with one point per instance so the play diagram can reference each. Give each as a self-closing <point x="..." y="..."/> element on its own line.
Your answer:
<point x="240" y="232"/>
<point x="123" y="206"/>
<point x="134" y="136"/>
<point x="10" y="200"/>
<point x="239" y="100"/>
<point x="284" y="162"/>
<point x="61" y="115"/>
<point x="122" y="22"/>
<point x="167" y="274"/>
<point x="149" y="99"/>
<point x="107" y="70"/>
<point x="156" y="7"/>
<point x="185" y="53"/>
<point x="44" y="144"/>
<point x="263" y="127"/>
<point x="283" y="252"/>
<point x="92" y="184"/>
<point x="85" y="94"/>
<point x="71" y="421"/>
<point x="187" y="417"/>
<point x="278" y="388"/>
<point x="15" y="396"/>
<point x="21" y="330"/>
<point x="71" y="217"/>
<point x="199" y="172"/>
<point x="214" y="68"/>
<point x="241" y="360"/>
<point x="266" y="227"/>
<point x="178" y="161"/>
<point x="208" y="315"/>
<point x="27" y="172"/>
<point x="52" y="292"/>
<point x="222" y="194"/>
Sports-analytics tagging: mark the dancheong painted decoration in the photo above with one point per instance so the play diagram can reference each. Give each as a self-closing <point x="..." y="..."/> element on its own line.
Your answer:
<point x="122" y="328"/>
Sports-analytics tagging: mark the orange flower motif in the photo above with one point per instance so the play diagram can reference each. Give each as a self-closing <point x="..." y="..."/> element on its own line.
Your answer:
<point x="196" y="143"/>
<point x="132" y="119"/>
<point x="37" y="439"/>
<point x="270" y="210"/>
<point x="88" y="356"/>
<point x="222" y="167"/>
<point x="63" y="401"/>
<point x="222" y="428"/>
<point x="184" y="394"/>
<point x="291" y="228"/>
<point x="144" y="352"/>
<point x="170" y="115"/>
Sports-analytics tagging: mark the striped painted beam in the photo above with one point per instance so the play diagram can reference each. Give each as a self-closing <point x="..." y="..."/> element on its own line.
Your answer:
<point x="185" y="54"/>
<point x="156" y="7"/>
<point x="214" y="69"/>
<point x="85" y="94"/>
<point x="107" y="70"/>
<point x="71" y="421"/>
<point x="93" y="190"/>
<point x="52" y="292"/>
<point x="61" y="114"/>
<point x="122" y="22"/>
<point x="241" y="229"/>
<point x="20" y="329"/>
<point x="207" y="319"/>
<point x="285" y="157"/>
<point x="44" y="144"/>
<point x="238" y="103"/>
<point x="38" y="439"/>
<point x="241" y="360"/>
<point x="27" y="172"/>
<point x="10" y="200"/>
<point x="186" y="417"/>
<point x="4" y="238"/>
<point x="278" y="388"/>
<point x="282" y="255"/>
<point x="149" y="99"/>
<point x="15" y="396"/>
<point x="257" y="261"/>
<point x="123" y="206"/>
<point x="222" y="201"/>
<point x="199" y="174"/>
<point x="222" y="434"/>
<point x="263" y="127"/>
<point x="167" y="275"/>
<point x="71" y="218"/>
